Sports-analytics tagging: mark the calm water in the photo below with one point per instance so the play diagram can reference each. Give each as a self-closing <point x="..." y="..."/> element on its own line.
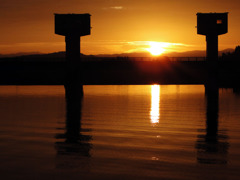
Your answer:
<point x="126" y="132"/>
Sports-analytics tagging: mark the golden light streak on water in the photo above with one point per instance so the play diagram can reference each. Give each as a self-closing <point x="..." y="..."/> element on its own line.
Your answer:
<point x="155" y="101"/>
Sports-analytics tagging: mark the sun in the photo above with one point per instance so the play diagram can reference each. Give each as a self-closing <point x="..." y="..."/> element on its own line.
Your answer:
<point x="156" y="48"/>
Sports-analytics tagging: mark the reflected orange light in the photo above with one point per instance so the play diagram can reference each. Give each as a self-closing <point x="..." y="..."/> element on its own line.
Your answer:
<point x="155" y="101"/>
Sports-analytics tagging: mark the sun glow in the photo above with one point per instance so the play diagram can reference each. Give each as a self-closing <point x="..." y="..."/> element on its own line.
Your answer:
<point x="155" y="111"/>
<point x="156" y="48"/>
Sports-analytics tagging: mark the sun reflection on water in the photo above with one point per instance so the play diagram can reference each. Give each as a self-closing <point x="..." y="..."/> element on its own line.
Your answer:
<point x="155" y="110"/>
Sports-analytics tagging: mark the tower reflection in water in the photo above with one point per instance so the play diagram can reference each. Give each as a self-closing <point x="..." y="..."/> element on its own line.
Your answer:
<point x="212" y="147"/>
<point x="73" y="147"/>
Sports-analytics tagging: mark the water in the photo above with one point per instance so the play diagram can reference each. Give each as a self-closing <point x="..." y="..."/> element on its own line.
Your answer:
<point x="125" y="132"/>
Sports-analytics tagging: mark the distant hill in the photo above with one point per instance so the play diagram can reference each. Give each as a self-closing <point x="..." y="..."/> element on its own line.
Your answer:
<point x="229" y="50"/>
<point x="62" y="54"/>
<point x="19" y="54"/>
<point x="196" y="53"/>
<point x="133" y="54"/>
<point x="187" y="54"/>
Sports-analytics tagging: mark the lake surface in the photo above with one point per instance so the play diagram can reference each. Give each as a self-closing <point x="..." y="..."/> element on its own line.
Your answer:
<point x="125" y="132"/>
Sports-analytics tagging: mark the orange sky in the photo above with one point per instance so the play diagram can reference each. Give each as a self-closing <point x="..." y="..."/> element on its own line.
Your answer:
<point x="118" y="26"/>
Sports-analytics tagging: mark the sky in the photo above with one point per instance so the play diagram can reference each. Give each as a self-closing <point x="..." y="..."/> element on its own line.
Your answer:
<point x="118" y="26"/>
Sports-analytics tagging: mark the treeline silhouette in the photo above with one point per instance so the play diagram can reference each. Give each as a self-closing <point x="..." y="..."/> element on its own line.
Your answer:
<point x="51" y="69"/>
<point x="232" y="56"/>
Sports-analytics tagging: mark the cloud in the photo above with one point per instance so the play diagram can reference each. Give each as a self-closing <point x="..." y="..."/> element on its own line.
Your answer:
<point x="114" y="8"/>
<point x="113" y="47"/>
<point x="95" y="47"/>
<point x="117" y="7"/>
<point x="144" y="45"/>
<point x="165" y="44"/>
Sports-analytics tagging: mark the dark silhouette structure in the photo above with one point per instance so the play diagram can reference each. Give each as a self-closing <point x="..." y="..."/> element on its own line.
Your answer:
<point x="73" y="26"/>
<point x="74" y="72"/>
<point x="211" y="25"/>
<point x="73" y="147"/>
<point x="212" y="148"/>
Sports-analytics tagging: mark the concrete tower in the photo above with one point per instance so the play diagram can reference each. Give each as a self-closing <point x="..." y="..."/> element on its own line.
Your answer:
<point x="211" y="25"/>
<point x="72" y="26"/>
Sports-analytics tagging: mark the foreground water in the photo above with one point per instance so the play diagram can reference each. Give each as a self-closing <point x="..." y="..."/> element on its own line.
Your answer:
<point x="126" y="132"/>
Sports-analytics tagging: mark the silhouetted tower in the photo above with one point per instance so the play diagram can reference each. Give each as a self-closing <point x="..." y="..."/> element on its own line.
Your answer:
<point x="211" y="25"/>
<point x="73" y="26"/>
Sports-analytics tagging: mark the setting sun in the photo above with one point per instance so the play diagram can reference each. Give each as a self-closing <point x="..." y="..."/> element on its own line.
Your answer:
<point x="156" y="48"/>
